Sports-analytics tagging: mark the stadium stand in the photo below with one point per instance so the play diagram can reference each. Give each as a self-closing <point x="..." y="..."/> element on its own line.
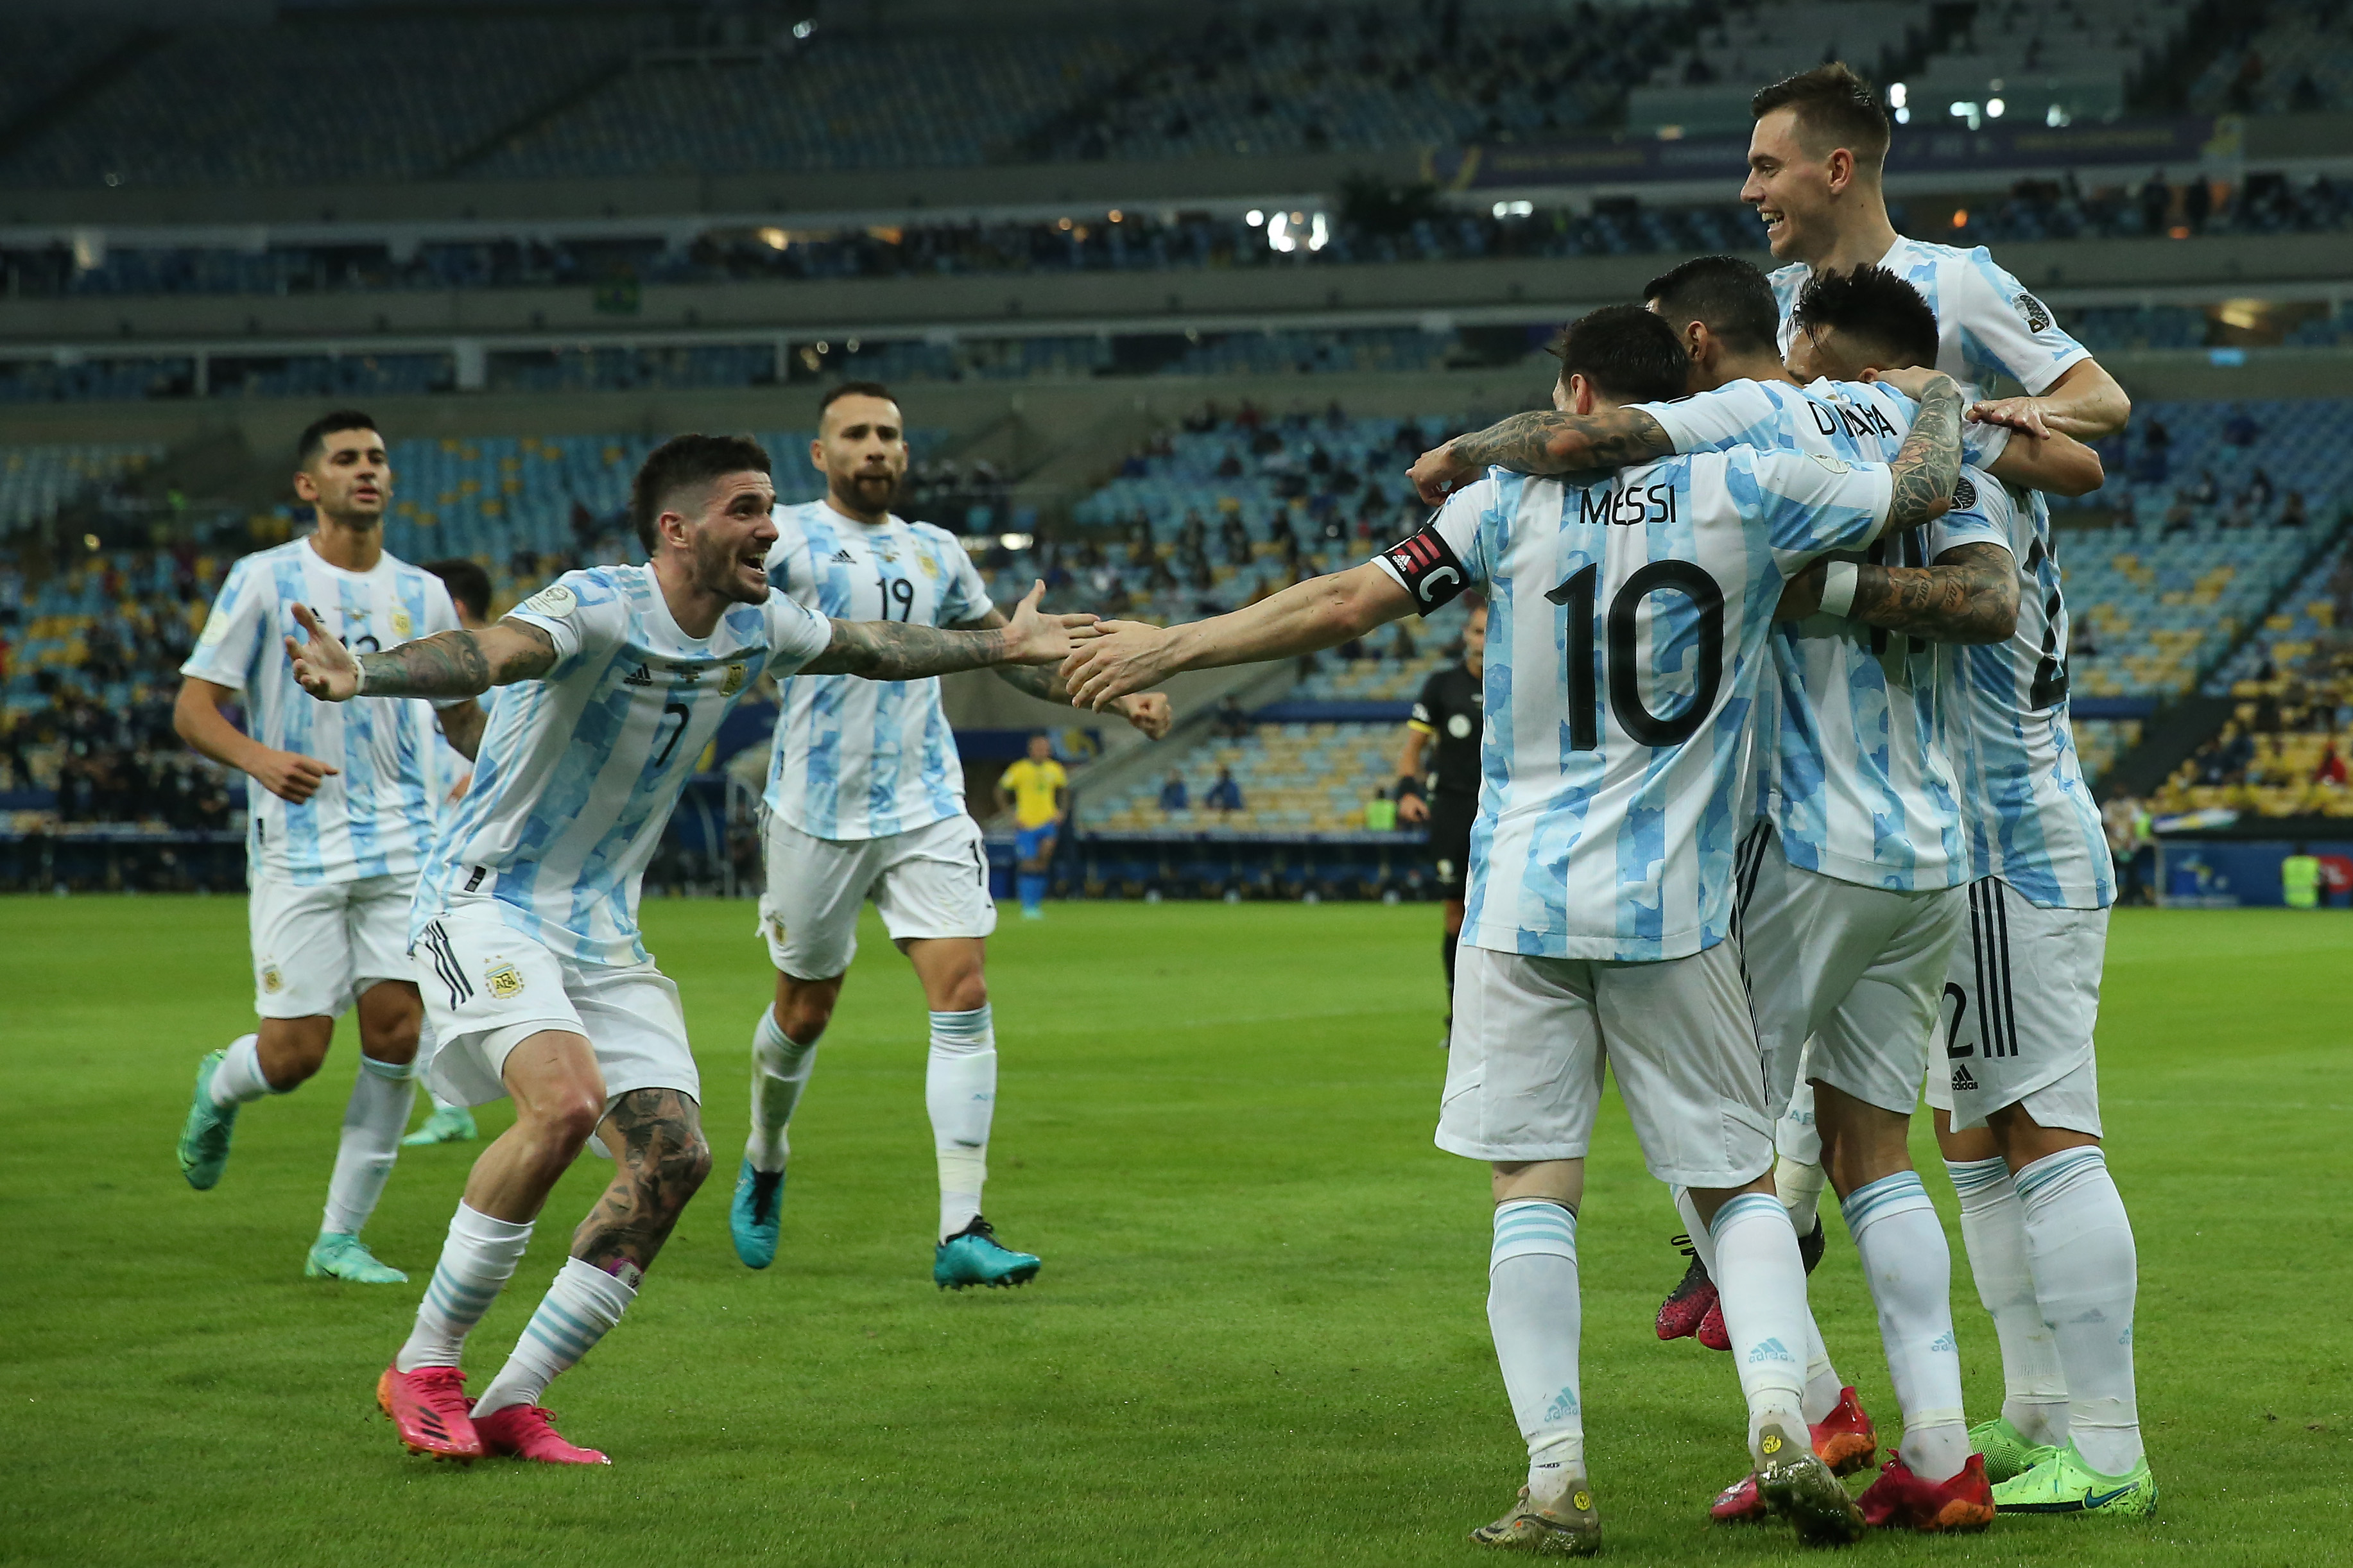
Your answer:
<point x="37" y="482"/>
<point x="2301" y="61"/>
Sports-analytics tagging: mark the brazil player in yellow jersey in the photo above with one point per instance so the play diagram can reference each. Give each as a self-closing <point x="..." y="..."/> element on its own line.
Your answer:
<point x="1038" y="791"/>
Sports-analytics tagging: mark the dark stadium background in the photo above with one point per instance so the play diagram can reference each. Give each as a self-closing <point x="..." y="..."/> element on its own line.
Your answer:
<point x="1171" y="295"/>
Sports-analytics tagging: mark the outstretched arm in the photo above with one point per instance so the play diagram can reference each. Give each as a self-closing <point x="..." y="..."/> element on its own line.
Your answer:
<point x="1147" y="711"/>
<point x="1969" y="595"/>
<point x="901" y="650"/>
<point x="2085" y="402"/>
<point x="447" y="664"/>
<point x="1319" y="613"/>
<point x="1541" y="442"/>
<point x="2054" y="464"/>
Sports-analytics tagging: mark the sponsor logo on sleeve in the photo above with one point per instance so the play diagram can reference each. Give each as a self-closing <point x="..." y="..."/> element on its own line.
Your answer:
<point x="555" y="601"/>
<point x="1835" y="465"/>
<point x="1964" y="495"/>
<point x="2037" y="314"/>
<point x="215" y="628"/>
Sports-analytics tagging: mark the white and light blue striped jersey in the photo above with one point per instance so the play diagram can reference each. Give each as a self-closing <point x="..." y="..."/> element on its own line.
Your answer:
<point x="1627" y="626"/>
<point x="450" y="773"/>
<point x="374" y="816"/>
<point x="2028" y="815"/>
<point x="1856" y="775"/>
<point x="578" y="770"/>
<point x="1986" y="320"/>
<point x="864" y="759"/>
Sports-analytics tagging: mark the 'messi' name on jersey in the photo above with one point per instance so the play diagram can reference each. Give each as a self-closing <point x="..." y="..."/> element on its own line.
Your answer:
<point x="1629" y="506"/>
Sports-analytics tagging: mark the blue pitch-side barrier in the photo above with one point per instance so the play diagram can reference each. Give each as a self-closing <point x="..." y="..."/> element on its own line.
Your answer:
<point x="2222" y="873"/>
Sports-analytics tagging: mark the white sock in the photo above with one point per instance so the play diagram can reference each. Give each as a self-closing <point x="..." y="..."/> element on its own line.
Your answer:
<point x="238" y="1080"/>
<point x="1993" y="1228"/>
<point x="1762" y="1288"/>
<point x="374" y="1119"/>
<point x="960" y="1092"/>
<point x="1823" y="1384"/>
<point x="477" y="1260"/>
<point x="579" y="1309"/>
<point x="2086" y="1274"/>
<point x="1910" y="1271"/>
<point x="780" y="1070"/>
<point x="1533" y="1311"/>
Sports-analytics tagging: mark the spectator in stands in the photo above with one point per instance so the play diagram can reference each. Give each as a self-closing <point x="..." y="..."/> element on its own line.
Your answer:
<point x="2208" y="492"/>
<point x="2260" y="490"/>
<point x="1233" y="724"/>
<point x="2331" y="768"/>
<point x="1225" y="795"/>
<point x="1402" y="646"/>
<point x="2291" y="512"/>
<point x="1172" y="794"/>
<point x="2179" y="518"/>
<point x="2240" y="429"/>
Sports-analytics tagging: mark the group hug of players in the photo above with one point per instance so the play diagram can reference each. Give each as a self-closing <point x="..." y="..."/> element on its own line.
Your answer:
<point x="1776" y="808"/>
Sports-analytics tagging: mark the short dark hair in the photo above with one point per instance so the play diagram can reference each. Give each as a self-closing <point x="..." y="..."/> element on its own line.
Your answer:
<point x="313" y="439"/>
<point x="1732" y="297"/>
<point x="1881" y="314"/>
<point x="1836" y="108"/>
<point x="469" y="584"/>
<point x="840" y="390"/>
<point x="682" y="461"/>
<point x="1628" y="353"/>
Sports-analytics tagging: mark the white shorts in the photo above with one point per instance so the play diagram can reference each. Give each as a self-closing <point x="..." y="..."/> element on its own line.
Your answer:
<point x="488" y="987"/>
<point x="1532" y="1034"/>
<point x="316" y="949"/>
<point x="927" y="882"/>
<point x="1856" y="971"/>
<point x="2021" y="995"/>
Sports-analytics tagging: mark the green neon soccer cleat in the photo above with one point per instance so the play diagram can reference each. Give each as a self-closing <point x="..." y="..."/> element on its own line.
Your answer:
<point x="2063" y="1483"/>
<point x="337" y="1254"/>
<point x="753" y="1218"/>
<point x="447" y="1124"/>
<point x="204" y="1141"/>
<point x="974" y="1256"/>
<point x="2007" y="1452"/>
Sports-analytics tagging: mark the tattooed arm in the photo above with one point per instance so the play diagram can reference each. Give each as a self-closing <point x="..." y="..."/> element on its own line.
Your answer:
<point x="659" y="1159"/>
<point x="447" y="664"/>
<point x="1969" y="595"/>
<point x="1930" y="459"/>
<point x="899" y="650"/>
<point x="1541" y="442"/>
<point x="1147" y="711"/>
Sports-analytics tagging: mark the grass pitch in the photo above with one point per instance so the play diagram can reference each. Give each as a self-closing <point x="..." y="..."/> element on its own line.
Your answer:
<point x="1258" y="1335"/>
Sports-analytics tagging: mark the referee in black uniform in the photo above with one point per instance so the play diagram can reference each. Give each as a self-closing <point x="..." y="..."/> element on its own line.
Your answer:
<point x="1439" y="772"/>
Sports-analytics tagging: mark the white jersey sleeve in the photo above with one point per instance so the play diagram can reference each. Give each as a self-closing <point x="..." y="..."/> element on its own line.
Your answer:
<point x="1737" y="414"/>
<point x="242" y="622"/>
<point x="1809" y="505"/>
<point x="2002" y="325"/>
<point x="797" y="635"/>
<point x="581" y="620"/>
<point x="962" y="595"/>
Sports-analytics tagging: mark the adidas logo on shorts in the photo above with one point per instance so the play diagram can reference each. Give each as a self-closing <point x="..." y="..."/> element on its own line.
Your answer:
<point x="1961" y="1079"/>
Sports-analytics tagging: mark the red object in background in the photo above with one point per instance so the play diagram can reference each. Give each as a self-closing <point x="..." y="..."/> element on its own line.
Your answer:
<point x="2337" y="873"/>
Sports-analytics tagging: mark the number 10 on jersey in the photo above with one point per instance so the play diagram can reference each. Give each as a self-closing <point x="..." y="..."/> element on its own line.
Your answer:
<point x="1581" y="594"/>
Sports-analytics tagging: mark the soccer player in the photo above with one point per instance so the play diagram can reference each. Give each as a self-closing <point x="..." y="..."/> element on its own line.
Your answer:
<point x="1037" y="790"/>
<point x="1630" y="616"/>
<point x="611" y="681"/>
<point x="1854" y="882"/>
<point x="865" y="799"/>
<point x="1437" y="775"/>
<point x="470" y="590"/>
<point x="2016" y="1099"/>
<point x="341" y="810"/>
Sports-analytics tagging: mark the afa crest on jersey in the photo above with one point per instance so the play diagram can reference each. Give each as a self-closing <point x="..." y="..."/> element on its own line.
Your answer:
<point x="732" y="681"/>
<point x="402" y="624"/>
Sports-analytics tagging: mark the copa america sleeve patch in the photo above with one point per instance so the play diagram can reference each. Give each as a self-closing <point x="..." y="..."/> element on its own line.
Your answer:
<point x="1964" y="495"/>
<point x="1427" y="567"/>
<point x="555" y="601"/>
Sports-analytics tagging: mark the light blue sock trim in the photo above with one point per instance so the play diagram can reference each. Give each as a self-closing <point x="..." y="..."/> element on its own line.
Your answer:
<point x="974" y="1030"/>
<point x="391" y="1072"/>
<point x="1971" y="1177"/>
<point x="1531" y="1226"/>
<point x="1745" y="1204"/>
<point x="1888" y="1195"/>
<point x="2054" y="1174"/>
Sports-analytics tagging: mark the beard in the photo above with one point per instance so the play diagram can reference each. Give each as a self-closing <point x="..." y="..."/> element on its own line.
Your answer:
<point x="718" y="570"/>
<point x="868" y="489"/>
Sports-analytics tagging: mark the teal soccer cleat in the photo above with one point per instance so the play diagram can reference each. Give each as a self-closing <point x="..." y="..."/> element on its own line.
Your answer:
<point x="447" y="1124"/>
<point x="2007" y="1452"/>
<point x="337" y="1254"/>
<point x="974" y="1256"/>
<point x="753" y="1218"/>
<point x="204" y="1141"/>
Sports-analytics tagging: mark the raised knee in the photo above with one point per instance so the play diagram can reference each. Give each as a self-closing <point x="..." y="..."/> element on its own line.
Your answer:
<point x="571" y="1120"/>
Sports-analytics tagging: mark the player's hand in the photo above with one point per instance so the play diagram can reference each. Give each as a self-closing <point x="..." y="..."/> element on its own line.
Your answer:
<point x="1412" y="808"/>
<point x="290" y="776"/>
<point x="1125" y="656"/>
<point x="1802" y="595"/>
<point x="1436" y="475"/>
<point x="323" y="666"/>
<point x="1148" y="711"/>
<point x="1032" y="637"/>
<point x="1913" y="381"/>
<point x="2024" y="415"/>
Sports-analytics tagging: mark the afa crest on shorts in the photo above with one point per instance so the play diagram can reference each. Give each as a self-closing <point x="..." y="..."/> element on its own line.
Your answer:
<point x="505" y="980"/>
<point x="271" y="981"/>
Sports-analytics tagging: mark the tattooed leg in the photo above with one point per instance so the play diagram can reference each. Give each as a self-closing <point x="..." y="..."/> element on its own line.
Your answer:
<point x="660" y="1159"/>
